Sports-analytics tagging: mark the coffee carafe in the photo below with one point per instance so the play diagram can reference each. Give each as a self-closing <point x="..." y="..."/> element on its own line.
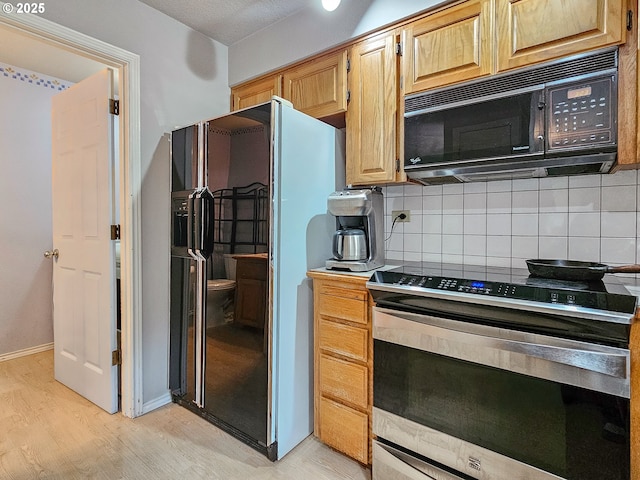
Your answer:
<point x="358" y="240"/>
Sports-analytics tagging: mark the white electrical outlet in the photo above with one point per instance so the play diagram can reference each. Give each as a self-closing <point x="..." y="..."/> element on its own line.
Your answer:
<point x="395" y="216"/>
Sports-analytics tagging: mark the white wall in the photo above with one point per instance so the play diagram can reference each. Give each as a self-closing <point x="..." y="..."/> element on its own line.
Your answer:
<point x="25" y="216"/>
<point x="591" y="218"/>
<point x="313" y="30"/>
<point x="183" y="77"/>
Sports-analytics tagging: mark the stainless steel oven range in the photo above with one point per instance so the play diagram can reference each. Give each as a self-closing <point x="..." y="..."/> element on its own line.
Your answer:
<point x="489" y="373"/>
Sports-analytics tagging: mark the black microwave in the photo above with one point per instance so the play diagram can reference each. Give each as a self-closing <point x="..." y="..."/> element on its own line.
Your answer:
<point x="555" y="119"/>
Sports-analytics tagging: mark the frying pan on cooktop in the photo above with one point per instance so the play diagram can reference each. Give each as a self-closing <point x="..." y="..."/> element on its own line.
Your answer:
<point x="573" y="270"/>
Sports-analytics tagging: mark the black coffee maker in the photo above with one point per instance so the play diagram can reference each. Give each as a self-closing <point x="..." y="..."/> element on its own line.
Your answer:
<point x="358" y="242"/>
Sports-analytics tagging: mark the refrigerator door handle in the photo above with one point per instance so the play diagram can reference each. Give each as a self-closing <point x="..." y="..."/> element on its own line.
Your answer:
<point x="197" y="224"/>
<point x="203" y="223"/>
<point x="206" y="200"/>
<point x="199" y="332"/>
<point x="190" y="225"/>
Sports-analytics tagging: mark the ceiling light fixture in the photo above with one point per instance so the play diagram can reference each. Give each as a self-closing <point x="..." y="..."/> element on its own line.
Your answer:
<point x="330" y="5"/>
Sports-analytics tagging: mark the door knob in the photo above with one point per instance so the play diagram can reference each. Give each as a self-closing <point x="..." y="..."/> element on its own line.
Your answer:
<point x="52" y="253"/>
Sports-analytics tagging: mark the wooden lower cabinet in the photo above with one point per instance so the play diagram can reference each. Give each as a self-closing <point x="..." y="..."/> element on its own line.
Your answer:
<point x="343" y="377"/>
<point x="344" y="429"/>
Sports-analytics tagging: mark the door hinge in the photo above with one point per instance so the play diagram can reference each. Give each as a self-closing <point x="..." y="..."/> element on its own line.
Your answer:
<point x="116" y="358"/>
<point x="397" y="165"/>
<point x="348" y="96"/>
<point x="115" y="232"/>
<point x="399" y="48"/>
<point x="348" y="65"/>
<point x="629" y="20"/>
<point x="114" y="106"/>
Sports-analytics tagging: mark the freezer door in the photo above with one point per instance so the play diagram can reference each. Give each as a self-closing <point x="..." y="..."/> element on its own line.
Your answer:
<point x="191" y="238"/>
<point x="182" y="320"/>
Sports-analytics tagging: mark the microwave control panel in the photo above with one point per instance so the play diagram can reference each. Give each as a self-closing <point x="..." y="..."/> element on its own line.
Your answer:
<point x="582" y="114"/>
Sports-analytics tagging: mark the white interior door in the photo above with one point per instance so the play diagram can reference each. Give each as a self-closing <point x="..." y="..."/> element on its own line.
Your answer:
<point x="84" y="310"/>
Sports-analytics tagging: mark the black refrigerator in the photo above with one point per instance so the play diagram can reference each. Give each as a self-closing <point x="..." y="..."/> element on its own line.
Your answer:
<point x="248" y="219"/>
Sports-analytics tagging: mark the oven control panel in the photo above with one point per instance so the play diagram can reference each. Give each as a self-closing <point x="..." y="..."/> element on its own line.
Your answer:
<point x="457" y="285"/>
<point x="423" y="284"/>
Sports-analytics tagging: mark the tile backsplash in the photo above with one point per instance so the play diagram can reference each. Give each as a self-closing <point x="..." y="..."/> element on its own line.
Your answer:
<point x="503" y="223"/>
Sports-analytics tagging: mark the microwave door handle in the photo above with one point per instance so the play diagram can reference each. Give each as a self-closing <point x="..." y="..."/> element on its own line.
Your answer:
<point x="539" y="109"/>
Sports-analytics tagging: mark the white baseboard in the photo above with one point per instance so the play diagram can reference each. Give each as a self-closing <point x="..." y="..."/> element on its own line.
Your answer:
<point x="26" y="351"/>
<point x="161" y="401"/>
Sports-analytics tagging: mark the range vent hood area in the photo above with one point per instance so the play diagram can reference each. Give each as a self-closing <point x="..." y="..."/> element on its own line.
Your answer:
<point x="556" y="119"/>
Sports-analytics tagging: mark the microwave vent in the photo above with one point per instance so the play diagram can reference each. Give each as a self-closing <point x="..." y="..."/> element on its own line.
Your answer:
<point x="501" y="85"/>
<point x="446" y="180"/>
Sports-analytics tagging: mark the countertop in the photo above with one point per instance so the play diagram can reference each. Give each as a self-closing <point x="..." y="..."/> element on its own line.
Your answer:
<point x="366" y="274"/>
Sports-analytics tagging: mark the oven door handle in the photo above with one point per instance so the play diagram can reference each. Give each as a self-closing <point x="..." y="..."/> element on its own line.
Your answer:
<point x="434" y="334"/>
<point x="609" y="364"/>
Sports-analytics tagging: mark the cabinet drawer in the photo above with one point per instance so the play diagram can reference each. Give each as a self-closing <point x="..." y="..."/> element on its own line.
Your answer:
<point x="354" y="310"/>
<point x="344" y="380"/>
<point x="344" y="340"/>
<point x="335" y="291"/>
<point x="344" y="429"/>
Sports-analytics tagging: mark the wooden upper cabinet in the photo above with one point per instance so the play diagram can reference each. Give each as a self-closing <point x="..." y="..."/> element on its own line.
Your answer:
<point x="372" y="114"/>
<point x="449" y="46"/>
<point x="256" y="92"/>
<point x="318" y="87"/>
<point x="533" y="31"/>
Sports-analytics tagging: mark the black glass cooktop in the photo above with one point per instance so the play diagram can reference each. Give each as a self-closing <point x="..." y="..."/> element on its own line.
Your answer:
<point x="511" y="284"/>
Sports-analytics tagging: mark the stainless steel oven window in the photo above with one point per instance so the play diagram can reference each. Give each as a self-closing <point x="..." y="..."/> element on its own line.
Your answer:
<point x="556" y="405"/>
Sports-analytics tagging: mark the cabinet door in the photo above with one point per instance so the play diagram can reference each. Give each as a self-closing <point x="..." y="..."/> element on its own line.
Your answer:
<point x="449" y="46"/>
<point x="532" y="31"/>
<point x="318" y="87"/>
<point x="256" y="92"/>
<point x="343" y="428"/>
<point x="371" y="117"/>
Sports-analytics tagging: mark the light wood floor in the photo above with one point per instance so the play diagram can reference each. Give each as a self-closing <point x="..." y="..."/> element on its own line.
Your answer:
<point x="48" y="431"/>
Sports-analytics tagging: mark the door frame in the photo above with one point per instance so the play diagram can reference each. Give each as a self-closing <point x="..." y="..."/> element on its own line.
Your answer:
<point x="127" y="65"/>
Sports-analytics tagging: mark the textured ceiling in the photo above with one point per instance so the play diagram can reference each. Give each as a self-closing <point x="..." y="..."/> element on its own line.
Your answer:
<point x="228" y="21"/>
